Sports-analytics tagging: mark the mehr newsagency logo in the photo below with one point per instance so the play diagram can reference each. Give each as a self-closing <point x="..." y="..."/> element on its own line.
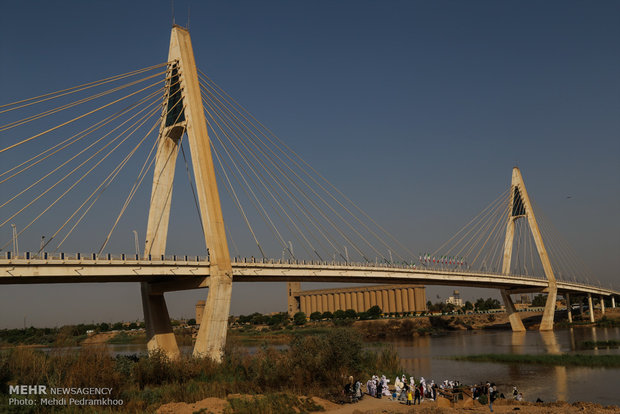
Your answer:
<point x="44" y="396"/>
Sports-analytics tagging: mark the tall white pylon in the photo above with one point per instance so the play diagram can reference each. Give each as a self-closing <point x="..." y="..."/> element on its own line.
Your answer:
<point x="520" y="207"/>
<point x="184" y="114"/>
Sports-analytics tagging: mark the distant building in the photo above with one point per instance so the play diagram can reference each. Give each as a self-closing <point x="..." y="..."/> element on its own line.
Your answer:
<point x="200" y="308"/>
<point x="455" y="299"/>
<point x="390" y="298"/>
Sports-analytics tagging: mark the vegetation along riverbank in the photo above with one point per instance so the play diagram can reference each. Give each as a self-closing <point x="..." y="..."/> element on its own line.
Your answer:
<point x="316" y="365"/>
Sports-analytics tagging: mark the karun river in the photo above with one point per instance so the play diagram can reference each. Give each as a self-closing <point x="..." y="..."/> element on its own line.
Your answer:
<point x="426" y="356"/>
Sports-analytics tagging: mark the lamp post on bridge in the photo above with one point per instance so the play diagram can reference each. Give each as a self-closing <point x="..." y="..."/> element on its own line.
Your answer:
<point x="136" y="242"/>
<point x="15" y="243"/>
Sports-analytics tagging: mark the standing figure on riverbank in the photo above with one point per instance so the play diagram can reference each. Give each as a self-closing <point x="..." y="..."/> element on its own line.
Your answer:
<point x="371" y="387"/>
<point x="398" y="385"/>
<point x="417" y="396"/>
<point x="384" y="386"/>
<point x="421" y="388"/>
<point x="492" y="395"/>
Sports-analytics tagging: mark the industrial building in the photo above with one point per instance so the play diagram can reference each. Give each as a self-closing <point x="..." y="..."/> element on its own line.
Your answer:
<point x="390" y="298"/>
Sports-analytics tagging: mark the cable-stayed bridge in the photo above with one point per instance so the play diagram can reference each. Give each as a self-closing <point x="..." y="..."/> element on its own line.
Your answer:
<point x="59" y="180"/>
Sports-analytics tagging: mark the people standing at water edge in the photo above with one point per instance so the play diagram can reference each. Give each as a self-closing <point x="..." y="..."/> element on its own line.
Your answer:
<point x="417" y="395"/>
<point x="492" y="395"/>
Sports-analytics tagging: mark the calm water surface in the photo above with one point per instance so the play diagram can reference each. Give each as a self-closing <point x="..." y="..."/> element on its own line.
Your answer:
<point x="424" y="356"/>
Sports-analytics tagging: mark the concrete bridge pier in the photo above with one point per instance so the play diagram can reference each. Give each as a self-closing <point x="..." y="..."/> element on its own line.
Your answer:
<point x="602" y="299"/>
<point x="159" y="333"/>
<point x="613" y="302"/>
<point x="513" y="316"/>
<point x="590" y="307"/>
<point x="569" y="309"/>
<point x="546" y="324"/>
<point x="211" y="337"/>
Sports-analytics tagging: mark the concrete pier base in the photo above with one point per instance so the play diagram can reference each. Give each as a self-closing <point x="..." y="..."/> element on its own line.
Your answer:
<point x="590" y="307"/>
<point x="513" y="316"/>
<point x="602" y="299"/>
<point x="613" y="302"/>
<point x="569" y="309"/>
<point x="546" y="324"/>
<point x="212" y="332"/>
<point x="159" y="334"/>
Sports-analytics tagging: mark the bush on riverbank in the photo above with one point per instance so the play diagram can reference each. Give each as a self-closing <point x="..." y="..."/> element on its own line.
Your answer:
<point x="312" y="365"/>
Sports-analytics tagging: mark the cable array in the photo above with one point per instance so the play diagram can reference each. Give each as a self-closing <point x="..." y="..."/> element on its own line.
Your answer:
<point x="479" y="245"/>
<point x="47" y="170"/>
<point x="285" y="206"/>
<point x="276" y="192"/>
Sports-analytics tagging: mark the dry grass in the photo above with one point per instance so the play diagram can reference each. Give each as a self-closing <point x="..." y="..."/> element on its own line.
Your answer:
<point x="312" y="365"/>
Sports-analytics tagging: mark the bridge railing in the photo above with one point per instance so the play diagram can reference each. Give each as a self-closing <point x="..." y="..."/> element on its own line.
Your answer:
<point x="104" y="257"/>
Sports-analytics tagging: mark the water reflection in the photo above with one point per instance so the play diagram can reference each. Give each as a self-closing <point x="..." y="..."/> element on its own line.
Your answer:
<point x="518" y="339"/>
<point x="551" y="345"/>
<point x="595" y="340"/>
<point x="426" y="356"/>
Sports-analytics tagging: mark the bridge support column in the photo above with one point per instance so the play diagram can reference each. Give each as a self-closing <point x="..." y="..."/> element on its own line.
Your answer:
<point x="569" y="309"/>
<point x="513" y="316"/>
<point x="213" y="328"/>
<point x="613" y="301"/>
<point x="590" y="307"/>
<point x="211" y="336"/>
<point x="159" y="334"/>
<point x="546" y="324"/>
<point x="602" y="299"/>
<point x="522" y="208"/>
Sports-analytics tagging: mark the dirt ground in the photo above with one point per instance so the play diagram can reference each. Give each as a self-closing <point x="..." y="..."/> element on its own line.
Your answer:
<point x="100" y="338"/>
<point x="385" y="406"/>
<point x="443" y="406"/>
<point x="210" y="405"/>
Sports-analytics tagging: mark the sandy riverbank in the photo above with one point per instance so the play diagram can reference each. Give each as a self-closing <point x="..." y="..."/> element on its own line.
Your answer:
<point x="380" y="406"/>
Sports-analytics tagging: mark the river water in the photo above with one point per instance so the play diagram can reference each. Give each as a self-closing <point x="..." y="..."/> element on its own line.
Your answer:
<point x="426" y="356"/>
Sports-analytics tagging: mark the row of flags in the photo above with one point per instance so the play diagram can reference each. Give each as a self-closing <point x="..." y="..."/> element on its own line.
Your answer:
<point x="448" y="260"/>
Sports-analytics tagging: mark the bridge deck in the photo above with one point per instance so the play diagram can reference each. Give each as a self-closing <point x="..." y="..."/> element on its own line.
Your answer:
<point x="176" y="275"/>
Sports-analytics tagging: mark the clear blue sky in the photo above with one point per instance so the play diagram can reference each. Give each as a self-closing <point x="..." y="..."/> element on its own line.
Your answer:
<point x="417" y="110"/>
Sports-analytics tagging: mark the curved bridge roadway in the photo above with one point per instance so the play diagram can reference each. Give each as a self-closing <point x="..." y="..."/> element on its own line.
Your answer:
<point x="170" y="275"/>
